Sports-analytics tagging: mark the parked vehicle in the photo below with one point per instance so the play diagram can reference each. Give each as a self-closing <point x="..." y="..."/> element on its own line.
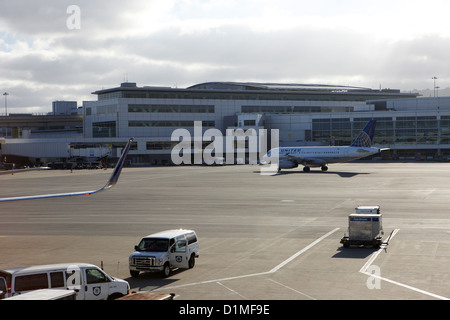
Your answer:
<point x="89" y="281"/>
<point x="164" y="251"/>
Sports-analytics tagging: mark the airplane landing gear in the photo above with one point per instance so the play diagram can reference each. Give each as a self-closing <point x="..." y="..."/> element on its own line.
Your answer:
<point x="308" y="169"/>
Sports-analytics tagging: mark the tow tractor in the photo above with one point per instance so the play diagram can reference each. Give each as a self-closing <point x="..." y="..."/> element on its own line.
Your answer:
<point x="365" y="227"/>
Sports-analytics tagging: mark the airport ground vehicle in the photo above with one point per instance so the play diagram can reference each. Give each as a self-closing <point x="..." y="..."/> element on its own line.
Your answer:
<point x="164" y="251"/>
<point x="46" y="294"/>
<point x="88" y="280"/>
<point x="364" y="227"/>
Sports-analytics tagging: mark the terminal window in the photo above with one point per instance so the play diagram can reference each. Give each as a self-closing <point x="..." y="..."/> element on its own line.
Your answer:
<point x="105" y="129"/>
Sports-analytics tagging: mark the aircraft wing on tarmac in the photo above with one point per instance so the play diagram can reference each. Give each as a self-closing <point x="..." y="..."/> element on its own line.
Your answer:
<point x="24" y="170"/>
<point x="109" y="184"/>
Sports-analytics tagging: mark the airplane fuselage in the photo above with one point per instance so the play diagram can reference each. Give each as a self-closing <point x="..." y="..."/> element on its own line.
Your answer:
<point x="292" y="157"/>
<point x="319" y="156"/>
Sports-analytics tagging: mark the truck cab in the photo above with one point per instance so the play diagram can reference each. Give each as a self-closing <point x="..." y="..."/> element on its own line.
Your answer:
<point x="164" y="251"/>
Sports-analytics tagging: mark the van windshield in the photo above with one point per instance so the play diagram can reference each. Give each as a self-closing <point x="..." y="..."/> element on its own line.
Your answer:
<point x="153" y="244"/>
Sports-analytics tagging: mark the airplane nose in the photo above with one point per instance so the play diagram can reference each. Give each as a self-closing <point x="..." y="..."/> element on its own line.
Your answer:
<point x="264" y="159"/>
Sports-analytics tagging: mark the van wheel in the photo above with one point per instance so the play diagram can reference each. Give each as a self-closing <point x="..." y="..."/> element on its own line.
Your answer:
<point x="134" y="274"/>
<point x="192" y="261"/>
<point x="115" y="296"/>
<point x="166" y="270"/>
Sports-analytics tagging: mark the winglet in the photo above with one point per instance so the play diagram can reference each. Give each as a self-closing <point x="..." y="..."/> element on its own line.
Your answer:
<point x="109" y="184"/>
<point x="118" y="169"/>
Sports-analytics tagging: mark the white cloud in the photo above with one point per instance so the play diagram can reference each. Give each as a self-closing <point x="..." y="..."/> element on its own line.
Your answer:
<point x="399" y="44"/>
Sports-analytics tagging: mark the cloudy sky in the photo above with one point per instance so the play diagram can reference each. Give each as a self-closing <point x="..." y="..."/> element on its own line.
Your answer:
<point x="49" y="51"/>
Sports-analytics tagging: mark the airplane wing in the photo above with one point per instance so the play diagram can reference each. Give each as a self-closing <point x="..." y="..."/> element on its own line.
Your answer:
<point x="24" y="170"/>
<point x="109" y="184"/>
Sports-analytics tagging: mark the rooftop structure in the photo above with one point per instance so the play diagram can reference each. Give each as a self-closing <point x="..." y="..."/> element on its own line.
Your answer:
<point x="251" y="91"/>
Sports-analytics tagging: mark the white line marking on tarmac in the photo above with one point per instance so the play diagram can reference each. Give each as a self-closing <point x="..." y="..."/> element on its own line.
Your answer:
<point x="278" y="267"/>
<point x="232" y="290"/>
<point x="363" y="270"/>
<point x="407" y="287"/>
<point x="285" y="262"/>
<point x="375" y="255"/>
<point x="292" y="289"/>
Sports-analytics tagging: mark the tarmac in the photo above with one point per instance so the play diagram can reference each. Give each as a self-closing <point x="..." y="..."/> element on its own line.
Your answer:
<point x="261" y="237"/>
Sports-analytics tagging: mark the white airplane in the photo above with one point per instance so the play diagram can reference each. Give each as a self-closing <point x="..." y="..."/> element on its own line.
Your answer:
<point x="292" y="157"/>
<point x="109" y="184"/>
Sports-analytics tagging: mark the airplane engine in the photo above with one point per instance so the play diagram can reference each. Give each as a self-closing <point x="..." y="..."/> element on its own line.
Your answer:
<point x="286" y="164"/>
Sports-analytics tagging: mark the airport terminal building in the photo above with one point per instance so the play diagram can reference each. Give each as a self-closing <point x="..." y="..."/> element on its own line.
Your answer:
<point x="305" y="115"/>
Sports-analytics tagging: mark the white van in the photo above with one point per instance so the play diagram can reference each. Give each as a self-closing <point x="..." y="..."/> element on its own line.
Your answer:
<point x="164" y="251"/>
<point x="88" y="280"/>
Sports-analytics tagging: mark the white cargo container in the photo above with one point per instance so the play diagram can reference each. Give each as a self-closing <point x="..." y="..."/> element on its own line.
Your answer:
<point x="368" y="209"/>
<point x="364" y="229"/>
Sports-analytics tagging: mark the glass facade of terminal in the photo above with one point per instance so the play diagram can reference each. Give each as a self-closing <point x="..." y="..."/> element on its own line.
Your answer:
<point x="106" y="129"/>
<point x="166" y="124"/>
<point x="169" y="108"/>
<point x="407" y="130"/>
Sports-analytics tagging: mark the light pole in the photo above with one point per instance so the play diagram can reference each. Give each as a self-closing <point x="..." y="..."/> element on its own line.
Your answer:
<point x="434" y="86"/>
<point x="6" y="103"/>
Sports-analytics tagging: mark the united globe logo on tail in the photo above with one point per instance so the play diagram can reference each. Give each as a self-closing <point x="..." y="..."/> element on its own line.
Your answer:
<point x="365" y="138"/>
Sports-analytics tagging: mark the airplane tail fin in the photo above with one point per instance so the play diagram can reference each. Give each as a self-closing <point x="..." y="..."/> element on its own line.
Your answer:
<point x="365" y="138"/>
